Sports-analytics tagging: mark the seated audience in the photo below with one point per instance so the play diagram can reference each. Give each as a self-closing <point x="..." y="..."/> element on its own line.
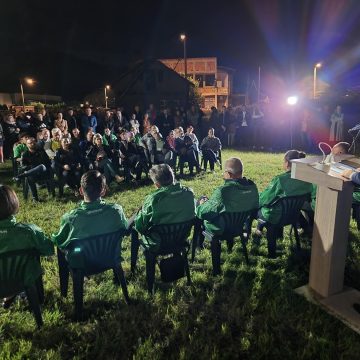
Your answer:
<point x="186" y="151"/>
<point x="36" y="166"/>
<point x="100" y="156"/>
<point x="237" y="194"/>
<point x="68" y="167"/>
<point x="210" y="147"/>
<point x="18" y="236"/>
<point x="93" y="216"/>
<point x="280" y="186"/>
<point x="170" y="203"/>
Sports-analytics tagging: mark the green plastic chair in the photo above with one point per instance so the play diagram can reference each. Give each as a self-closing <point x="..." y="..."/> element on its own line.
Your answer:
<point x="290" y="210"/>
<point x="90" y="256"/>
<point x="173" y="242"/>
<point x="14" y="267"/>
<point x="236" y="224"/>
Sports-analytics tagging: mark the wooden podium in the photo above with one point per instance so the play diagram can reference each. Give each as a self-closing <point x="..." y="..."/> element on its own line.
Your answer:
<point x="330" y="237"/>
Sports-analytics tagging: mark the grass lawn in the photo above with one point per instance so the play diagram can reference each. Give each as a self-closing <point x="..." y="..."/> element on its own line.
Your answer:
<point x="248" y="312"/>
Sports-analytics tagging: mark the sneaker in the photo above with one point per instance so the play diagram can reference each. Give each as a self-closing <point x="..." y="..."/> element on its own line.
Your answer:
<point x="7" y="302"/>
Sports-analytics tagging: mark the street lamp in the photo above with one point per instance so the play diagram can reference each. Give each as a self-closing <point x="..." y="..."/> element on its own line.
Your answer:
<point x="183" y="39"/>
<point x="28" y="81"/>
<point x="107" y="87"/>
<point x="317" y="66"/>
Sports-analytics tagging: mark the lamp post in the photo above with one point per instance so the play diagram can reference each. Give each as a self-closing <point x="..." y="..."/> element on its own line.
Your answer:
<point x="292" y="101"/>
<point x="28" y="81"/>
<point x="317" y="66"/>
<point x="183" y="39"/>
<point x="107" y="87"/>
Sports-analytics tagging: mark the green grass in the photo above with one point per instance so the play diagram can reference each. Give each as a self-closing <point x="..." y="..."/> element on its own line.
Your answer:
<point x="248" y="312"/>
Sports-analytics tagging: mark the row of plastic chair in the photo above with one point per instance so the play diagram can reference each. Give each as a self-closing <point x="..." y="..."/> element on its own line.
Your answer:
<point x="86" y="257"/>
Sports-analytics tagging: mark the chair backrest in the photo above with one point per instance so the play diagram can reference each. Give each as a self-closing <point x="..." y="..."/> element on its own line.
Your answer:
<point x="234" y="222"/>
<point x="95" y="254"/>
<point x="14" y="268"/>
<point x="290" y="208"/>
<point x="173" y="236"/>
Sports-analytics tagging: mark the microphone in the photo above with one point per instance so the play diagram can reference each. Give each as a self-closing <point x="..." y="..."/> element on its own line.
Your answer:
<point x="326" y="159"/>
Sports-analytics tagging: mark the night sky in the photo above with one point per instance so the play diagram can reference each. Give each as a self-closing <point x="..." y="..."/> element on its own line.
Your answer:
<point x="72" y="47"/>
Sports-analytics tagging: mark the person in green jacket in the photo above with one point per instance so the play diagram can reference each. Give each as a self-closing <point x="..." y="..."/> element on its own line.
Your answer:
<point x="170" y="203"/>
<point x="237" y="194"/>
<point x="18" y="236"/>
<point x="93" y="217"/>
<point x="280" y="186"/>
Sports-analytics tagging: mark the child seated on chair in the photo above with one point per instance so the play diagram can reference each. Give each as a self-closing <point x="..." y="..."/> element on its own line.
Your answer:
<point x="18" y="236"/>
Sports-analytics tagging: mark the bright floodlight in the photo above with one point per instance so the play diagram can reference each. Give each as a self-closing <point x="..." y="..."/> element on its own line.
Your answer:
<point x="182" y="37"/>
<point x="292" y="100"/>
<point x="318" y="65"/>
<point x="107" y="87"/>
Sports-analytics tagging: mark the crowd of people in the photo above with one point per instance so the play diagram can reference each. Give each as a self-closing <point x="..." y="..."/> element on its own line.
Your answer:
<point x="59" y="147"/>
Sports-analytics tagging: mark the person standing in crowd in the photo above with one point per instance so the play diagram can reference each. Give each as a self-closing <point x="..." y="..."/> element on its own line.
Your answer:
<point x="244" y="126"/>
<point x="258" y="127"/>
<point x="336" y="125"/>
<point x="88" y="121"/>
<point x="71" y="119"/>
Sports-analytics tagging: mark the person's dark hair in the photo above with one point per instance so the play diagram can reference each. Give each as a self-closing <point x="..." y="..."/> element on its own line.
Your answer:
<point x="344" y="145"/>
<point x="9" y="202"/>
<point x="23" y="134"/>
<point x="92" y="184"/>
<point x="162" y="174"/>
<point x="294" y="154"/>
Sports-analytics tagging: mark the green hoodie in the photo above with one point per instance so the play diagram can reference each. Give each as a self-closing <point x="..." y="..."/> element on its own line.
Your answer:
<point x="234" y="196"/>
<point x="167" y="205"/>
<point x="281" y="186"/>
<point x="89" y="219"/>
<point x="18" y="236"/>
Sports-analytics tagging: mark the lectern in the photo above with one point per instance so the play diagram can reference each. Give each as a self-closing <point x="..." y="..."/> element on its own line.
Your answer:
<point x="330" y="236"/>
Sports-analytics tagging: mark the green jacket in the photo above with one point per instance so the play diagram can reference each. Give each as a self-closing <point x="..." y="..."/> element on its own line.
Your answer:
<point x="281" y="186"/>
<point x="18" y="236"/>
<point x="167" y="205"/>
<point x="234" y="196"/>
<point x="19" y="150"/>
<point x="89" y="219"/>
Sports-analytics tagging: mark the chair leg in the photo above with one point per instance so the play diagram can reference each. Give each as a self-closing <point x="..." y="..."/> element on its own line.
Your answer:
<point x="244" y="248"/>
<point x="63" y="273"/>
<point x="32" y="296"/>
<point x="297" y="238"/>
<point x="120" y="278"/>
<point x="150" y="271"/>
<point x="78" y="289"/>
<point x="135" y="244"/>
<point x="230" y="244"/>
<point x="271" y="233"/>
<point x="40" y="289"/>
<point x="215" y="256"/>
<point x="187" y="269"/>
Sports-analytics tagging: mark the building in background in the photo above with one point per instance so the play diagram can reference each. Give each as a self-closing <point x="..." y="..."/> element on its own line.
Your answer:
<point x="10" y="99"/>
<point x="215" y="83"/>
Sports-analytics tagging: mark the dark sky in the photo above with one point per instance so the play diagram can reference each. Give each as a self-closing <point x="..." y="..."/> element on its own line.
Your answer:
<point x="70" y="46"/>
